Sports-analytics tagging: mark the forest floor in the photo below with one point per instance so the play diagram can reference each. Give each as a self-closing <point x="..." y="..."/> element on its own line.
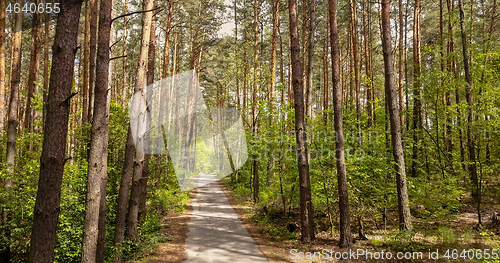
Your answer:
<point x="275" y="243"/>
<point x="175" y="228"/>
<point x="455" y="232"/>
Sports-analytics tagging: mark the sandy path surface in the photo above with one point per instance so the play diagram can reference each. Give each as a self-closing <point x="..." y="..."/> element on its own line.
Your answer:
<point x="216" y="235"/>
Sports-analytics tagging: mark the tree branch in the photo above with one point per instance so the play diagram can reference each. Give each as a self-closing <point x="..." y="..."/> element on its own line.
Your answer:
<point x="117" y="57"/>
<point x="133" y="13"/>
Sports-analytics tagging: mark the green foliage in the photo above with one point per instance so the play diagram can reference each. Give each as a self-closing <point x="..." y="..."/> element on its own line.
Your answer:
<point x="404" y="241"/>
<point x="446" y="235"/>
<point x="169" y="200"/>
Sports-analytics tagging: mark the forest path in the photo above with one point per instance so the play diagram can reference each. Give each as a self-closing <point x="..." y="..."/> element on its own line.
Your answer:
<point x="216" y="234"/>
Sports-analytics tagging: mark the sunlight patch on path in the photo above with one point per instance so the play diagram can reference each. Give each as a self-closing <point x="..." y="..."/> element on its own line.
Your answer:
<point x="216" y="235"/>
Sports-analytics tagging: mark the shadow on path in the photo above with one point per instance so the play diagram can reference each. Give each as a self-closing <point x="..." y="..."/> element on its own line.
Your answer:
<point x="216" y="234"/>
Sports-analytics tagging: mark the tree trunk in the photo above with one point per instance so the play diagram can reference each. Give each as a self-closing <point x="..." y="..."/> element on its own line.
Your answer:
<point x="306" y="218"/>
<point x="326" y="100"/>
<point x="52" y="160"/>
<point x="369" y="98"/>
<point x="86" y="61"/>
<point x="12" y="121"/>
<point x="400" y="71"/>
<point x="121" y="214"/>
<point x="448" y="147"/>
<point x="92" y="60"/>
<point x="140" y="84"/>
<point x="166" y="52"/>
<point x="36" y="45"/>
<point x="46" y="64"/>
<point x="125" y="90"/>
<point x="15" y="80"/>
<point x="355" y="55"/>
<point x="391" y="97"/>
<point x="276" y="17"/>
<point x="98" y="161"/>
<point x="345" y="224"/>
<point x="150" y="76"/>
<point x="417" y="108"/>
<point x="255" y="162"/>
<point x="245" y="68"/>
<point x="3" y="90"/>
<point x="310" y="68"/>
<point x="471" y="144"/>
<point x="238" y="101"/>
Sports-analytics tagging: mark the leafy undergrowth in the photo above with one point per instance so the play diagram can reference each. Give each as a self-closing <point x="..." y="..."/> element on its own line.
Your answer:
<point x="163" y="240"/>
<point x="277" y="232"/>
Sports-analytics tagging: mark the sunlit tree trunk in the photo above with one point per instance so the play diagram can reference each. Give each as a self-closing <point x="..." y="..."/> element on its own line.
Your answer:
<point x="15" y="81"/>
<point x="310" y="61"/>
<point x="86" y="60"/>
<point x="46" y="63"/>
<point x="36" y="46"/>
<point x="12" y="120"/>
<point x="345" y="222"/>
<point x="125" y="90"/>
<point x="417" y="96"/>
<point x="92" y="59"/>
<point x="401" y="48"/>
<point x="392" y="103"/>
<point x="471" y="144"/>
<point x="3" y="90"/>
<point x="325" y="74"/>
<point x="150" y="77"/>
<point x="356" y="66"/>
<point x="368" y="85"/>
<point x="133" y="209"/>
<point x="255" y="162"/>
<point x="276" y="17"/>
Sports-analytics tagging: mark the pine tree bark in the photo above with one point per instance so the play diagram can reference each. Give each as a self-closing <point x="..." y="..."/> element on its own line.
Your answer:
<point x="92" y="59"/>
<point x="471" y="144"/>
<point x="140" y="84"/>
<point x="310" y="61"/>
<point x="255" y="162"/>
<point x="326" y="99"/>
<point x="276" y="17"/>
<point x="345" y="224"/>
<point x="417" y="96"/>
<point x="306" y="213"/>
<point x="355" y="55"/>
<point x="52" y="160"/>
<point x="36" y="46"/>
<point x="125" y="90"/>
<point x="3" y="90"/>
<point x="150" y="76"/>
<point x="369" y="99"/>
<point x="166" y="51"/>
<point x="98" y="161"/>
<point x="237" y="73"/>
<point x="123" y="192"/>
<point x="86" y="61"/>
<point x="400" y="70"/>
<point x="392" y="103"/>
<point x="15" y="80"/>
<point x="12" y="122"/>
<point x="46" y="64"/>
